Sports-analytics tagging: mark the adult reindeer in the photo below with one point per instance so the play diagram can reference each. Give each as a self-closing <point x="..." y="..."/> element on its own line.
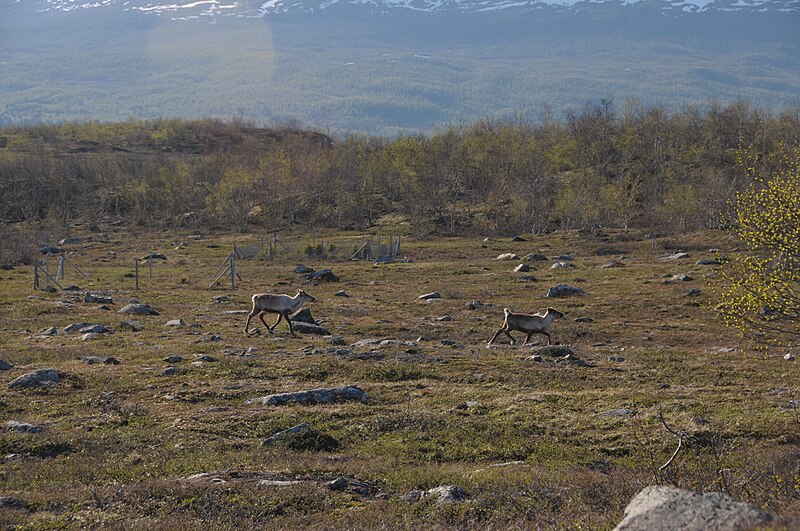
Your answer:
<point x="283" y="305"/>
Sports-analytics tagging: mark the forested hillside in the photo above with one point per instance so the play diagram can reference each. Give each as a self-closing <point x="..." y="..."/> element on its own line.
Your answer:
<point x="608" y="165"/>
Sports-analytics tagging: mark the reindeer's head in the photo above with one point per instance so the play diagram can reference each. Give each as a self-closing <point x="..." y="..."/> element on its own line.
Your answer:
<point x="305" y="296"/>
<point x="555" y="313"/>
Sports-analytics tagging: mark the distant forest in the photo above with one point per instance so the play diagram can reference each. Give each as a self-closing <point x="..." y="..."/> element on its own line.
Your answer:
<point x="606" y="165"/>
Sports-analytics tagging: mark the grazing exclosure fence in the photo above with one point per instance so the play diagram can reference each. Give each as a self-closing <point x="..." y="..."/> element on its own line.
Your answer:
<point x="375" y="248"/>
<point x="43" y="268"/>
<point x="266" y="248"/>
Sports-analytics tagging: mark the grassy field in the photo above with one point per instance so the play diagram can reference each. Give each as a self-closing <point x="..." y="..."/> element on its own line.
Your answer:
<point x="533" y="444"/>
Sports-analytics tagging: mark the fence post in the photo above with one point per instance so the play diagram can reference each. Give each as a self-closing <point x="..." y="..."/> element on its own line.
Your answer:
<point x="150" y="264"/>
<point x="60" y="272"/>
<point x="35" y="273"/>
<point x="136" y="267"/>
<point x="233" y="270"/>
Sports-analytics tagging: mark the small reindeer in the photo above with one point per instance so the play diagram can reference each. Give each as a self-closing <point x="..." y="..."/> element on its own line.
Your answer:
<point x="529" y="324"/>
<point x="283" y="305"/>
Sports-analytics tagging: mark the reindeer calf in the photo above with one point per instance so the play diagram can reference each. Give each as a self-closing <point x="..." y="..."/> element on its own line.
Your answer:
<point x="283" y="305"/>
<point x="529" y="324"/>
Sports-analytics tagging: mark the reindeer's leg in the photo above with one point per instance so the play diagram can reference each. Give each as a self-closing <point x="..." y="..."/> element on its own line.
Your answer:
<point x="495" y="335"/>
<point x="261" y="316"/>
<point x="528" y="338"/>
<point x="280" y="316"/>
<point x="247" y="325"/>
<point x="548" y="336"/>
<point x="291" y="328"/>
<point x="513" y="341"/>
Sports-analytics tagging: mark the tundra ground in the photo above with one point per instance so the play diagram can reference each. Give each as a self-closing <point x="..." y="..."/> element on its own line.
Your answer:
<point x="533" y="444"/>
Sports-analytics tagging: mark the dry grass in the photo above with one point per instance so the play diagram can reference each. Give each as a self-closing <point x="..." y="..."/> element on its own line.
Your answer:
<point x="121" y="460"/>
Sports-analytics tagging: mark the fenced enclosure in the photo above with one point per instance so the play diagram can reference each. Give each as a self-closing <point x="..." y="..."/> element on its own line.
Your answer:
<point x="374" y="248"/>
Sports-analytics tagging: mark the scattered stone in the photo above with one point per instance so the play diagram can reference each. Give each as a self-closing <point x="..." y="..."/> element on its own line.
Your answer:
<point x="237" y="312"/>
<point x="618" y="413"/>
<point x="70" y="240"/>
<point x="38" y="378"/>
<point x="536" y="357"/>
<point x="50" y="249"/>
<point x="206" y="358"/>
<point x="518" y="239"/>
<point x="285" y="434"/>
<point x="612" y="264"/>
<point x="9" y="502"/>
<point x="173" y="359"/>
<point x="507" y="256"/>
<point x="72" y="287"/>
<point x="714" y="261"/>
<point x="49" y="289"/>
<point x="528" y="278"/>
<point x="133" y="326"/>
<point x="95" y="329"/>
<point x="169" y="371"/>
<point x="300" y="269"/>
<point x="663" y="507"/>
<point x="694" y="292"/>
<point x="522" y="268"/>
<point x="4" y="365"/>
<point x="474" y="305"/>
<point x="725" y="350"/>
<point x="554" y="351"/>
<point x="451" y="343"/>
<point x="313" y="396"/>
<point x="52" y="331"/>
<point x="445" y="318"/>
<point x="220" y="299"/>
<point x="138" y="309"/>
<point x="23" y="427"/>
<point x="175" y="322"/>
<point x="564" y="290"/>
<point x="616" y="359"/>
<point x="341" y="293"/>
<point x="97" y="299"/>
<point x="88" y="336"/>
<point x="352" y="485"/>
<point x="584" y="320"/>
<point x="338" y="341"/>
<point x="562" y="265"/>
<point x="534" y="257"/>
<point x="154" y="256"/>
<point x="682" y="278"/>
<point x="675" y="256"/>
<point x="76" y="327"/>
<point x="788" y="357"/>
<point x="446" y="494"/>
<point x="432" y="295"/>
<point x="97" y="360"/>
<point x="608" y="252"/>
<point x="303" y="316"/>
<point x="564" y="258"/>
<point x="323" y="275"/>
<point x="308" y="328"/>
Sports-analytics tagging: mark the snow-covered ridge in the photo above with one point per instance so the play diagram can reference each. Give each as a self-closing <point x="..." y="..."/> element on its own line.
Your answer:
<point x="198" y="9"/>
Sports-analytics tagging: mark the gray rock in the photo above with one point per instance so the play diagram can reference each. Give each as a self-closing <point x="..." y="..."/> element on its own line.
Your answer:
<point x="23" y="427"/>
<point x="154" y="256"/>
<point x="694" y="292"/>
<point x="169" y="371"/>
<point x="72" y="287"/>
<point x="67" y="241"/>
<point x="536" y="357"/>
<point x="534" y="257"/>
<point x="97" y="360"/>
<point x="175" y="322"/>
<point x="681" y="278"/>
<point x="564" y="290"/>
<point x="431" y="295"/>
<point x="206" y="358"/>
<point x="38" y="378"/>
<point x="445" y="318"/>
<point x="88" y="336"/>
<point x="474" y="305"/>
<point x="323" y="275"/>
<point x="52" y="331"/>
<point x="616" y="359"/>
<point x="564" y="258"/>
<point x="4" y="365"/>
<point x="96" y="299"/>
<point x="608" y="252"/>
<point x="76" y="327"/>
<point x="507" y="256"/>
<point x="714" y="261"/>
<point x="49" y="289"/>
<point x="303" y="316"/>
<point x="285" y="434"/>
<point x="788" y="357"/>
<point x="303" y="270"/>
<point x="675" y="256"/>
<point x="134" y="326"/>
<point x="662" y="508"/>
<point x="313" y="396"/>
<point x="308" y="328"/>
<point x="9" y="502"/>
<point x="338" y="341"/>
<point x="173" y="359"/>
<point x="138" y="309"/>
<point x="584" y="320"/>
<point x="50" y="249"/>
<point x="613" y="264"/>
<point x="219" y="299"/>
<point x="562" y="265"/>
<point x="518" y="239"/>
<point x="446" y="494"/>
<point x="522" y="268"/>
<point x="95" y="329"/>
<point x="352" y="485"/>
<point x="341" y="293"/>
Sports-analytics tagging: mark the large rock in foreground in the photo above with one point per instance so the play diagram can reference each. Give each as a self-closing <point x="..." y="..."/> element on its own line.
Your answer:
<point x="38" y="378"/>
<point x="313" y="396"/>
<point x="661" y="508"/>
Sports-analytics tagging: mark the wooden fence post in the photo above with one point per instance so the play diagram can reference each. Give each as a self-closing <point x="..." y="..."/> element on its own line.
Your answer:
<point x="35" y="273"/>
<point x="136" y="267"/>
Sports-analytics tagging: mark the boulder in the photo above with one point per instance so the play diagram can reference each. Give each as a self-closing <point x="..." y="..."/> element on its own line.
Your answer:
<point x="562" y="265"/>
<point x="341" y="293"/>
<point x="133" y="326"/>
<point x="22" y="427"/>
<point x="95" y="329"/>
<point x="308" y="328"/>
<point x="534" y="257"/>
<point x="660" y="507"/>
<point x="173" y="359"/>
<point x="303" y="270"/>
<point x="138" y="309"/>
<point x="584" y="320"/>
<point x="286" y="434"/>
<point x="675" y="256"/>
<point x="97" y="299"/>
<point x="52" y="331"/>
<point x="154" y="256"/>
<point x="67" y="241"/>
<point x="77" y="327"/>
<point x="313" y="396"/>
<point x="175" y="322"/>
<point x="323" y="275"/>
<point x="713" y="261"/>
<point x="518" y="239"/>
<point x="507" y="256"/>
<point x="564" y="290"/>
<point x="681" y="278"/>
<point x="608" y="252"/>
<point x="303" y="316"/>
<point x="38" y="378"/>
<point x="522" y="268"/>
<point x="50" y="249"/>
<point x="4" y="365"/>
